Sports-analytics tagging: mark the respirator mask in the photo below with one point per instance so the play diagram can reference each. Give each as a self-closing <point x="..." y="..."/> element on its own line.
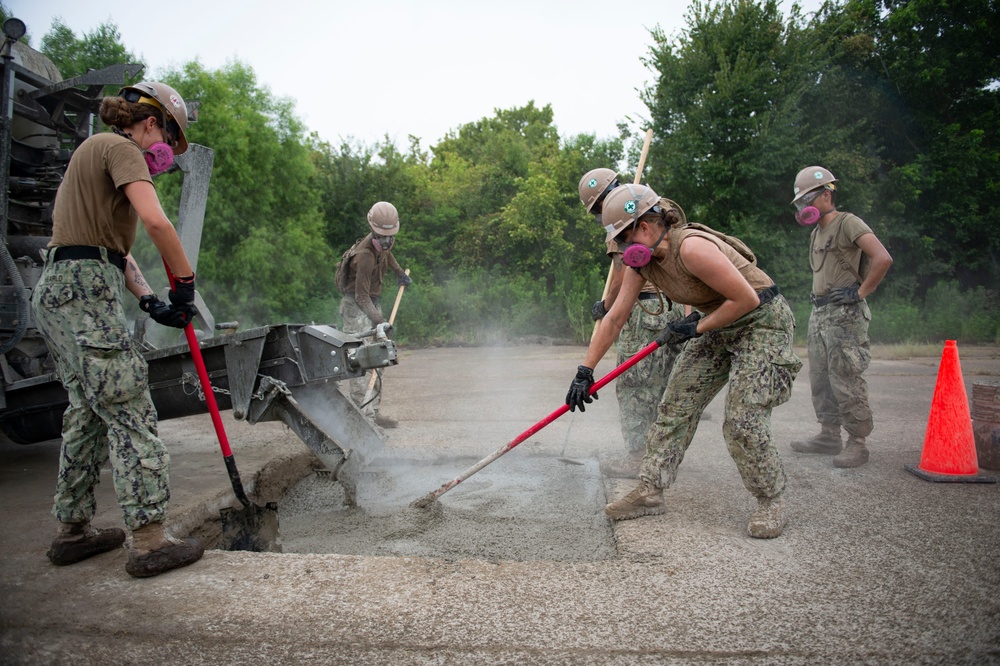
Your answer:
<point x="159" y="158"/>
<point x="383" y="243"/>
<point x="805" y="213"/>
<point x="637" y="255"/>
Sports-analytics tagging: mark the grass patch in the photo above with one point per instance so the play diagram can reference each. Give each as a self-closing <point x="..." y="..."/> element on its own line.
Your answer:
<point x="905" y="350"/>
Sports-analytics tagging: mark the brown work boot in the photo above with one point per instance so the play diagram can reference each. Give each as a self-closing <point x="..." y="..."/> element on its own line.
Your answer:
<point x="855" y="454"/>
<point x="827" y="442"/>
<point x="78" y="541"/>
<point x="623" y="467"/>
<point x="152" y="551"/>
<point x="645" y="500"/>
<point x="768" y="520"/>
<point x="385" y="421"/>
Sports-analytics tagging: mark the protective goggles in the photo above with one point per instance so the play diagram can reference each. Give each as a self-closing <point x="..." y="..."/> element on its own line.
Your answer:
<point x="810" y="197"/>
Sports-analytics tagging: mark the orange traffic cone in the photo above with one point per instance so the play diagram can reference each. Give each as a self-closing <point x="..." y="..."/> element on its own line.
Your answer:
<point x="949" y="447"/>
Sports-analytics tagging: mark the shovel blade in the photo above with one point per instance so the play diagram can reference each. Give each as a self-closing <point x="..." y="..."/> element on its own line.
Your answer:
<point x="252" y="528"/>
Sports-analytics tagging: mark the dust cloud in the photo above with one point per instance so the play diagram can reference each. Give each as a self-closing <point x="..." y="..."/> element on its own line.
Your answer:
<point x="521" y="507"/>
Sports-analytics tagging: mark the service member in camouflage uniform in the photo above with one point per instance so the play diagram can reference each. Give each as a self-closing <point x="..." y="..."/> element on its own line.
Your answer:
<point x="848" y="263"/>
<point x="79" y="308"/>
<point x="640" y="388"/>
<point x="744" y="338"/>
<point x="360" y="308"/>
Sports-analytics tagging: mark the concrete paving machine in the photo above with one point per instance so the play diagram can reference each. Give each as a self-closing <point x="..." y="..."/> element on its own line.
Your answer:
<point x="283" y="372"/>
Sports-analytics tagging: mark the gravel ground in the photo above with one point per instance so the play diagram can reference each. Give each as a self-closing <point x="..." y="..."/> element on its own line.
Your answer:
<point x="517" y="564"/>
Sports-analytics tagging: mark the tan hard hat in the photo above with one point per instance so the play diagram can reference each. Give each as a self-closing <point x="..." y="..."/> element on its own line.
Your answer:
<point x="624" y="205"/>
<point x="167" y="100"/>
<point x="594" y="184"/>
<point x="809" y="179"/>
<point x="383" y="219"/>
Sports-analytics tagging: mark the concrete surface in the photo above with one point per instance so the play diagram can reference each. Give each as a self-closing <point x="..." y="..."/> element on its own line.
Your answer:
<point x="876" y="566"/>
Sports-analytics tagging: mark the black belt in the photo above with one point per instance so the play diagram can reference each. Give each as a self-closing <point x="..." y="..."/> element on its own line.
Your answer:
<point x="69" y="252"/>
<point x="819" y="301"/>
<point x="768" y="295"/>
<point x="646" y="296"/>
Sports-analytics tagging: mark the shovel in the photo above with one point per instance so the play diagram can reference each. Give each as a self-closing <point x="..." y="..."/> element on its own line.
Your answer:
<point x="392" y="318"/>
<point x="254" y="527"/>
<point x="429" y="498"/>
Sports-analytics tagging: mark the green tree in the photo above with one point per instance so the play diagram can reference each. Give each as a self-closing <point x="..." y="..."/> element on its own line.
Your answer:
<point x="943" y="58"/>
<point x="101" y="47"/>
<point x="263" y="257"/>
<point x="726" y="107"/>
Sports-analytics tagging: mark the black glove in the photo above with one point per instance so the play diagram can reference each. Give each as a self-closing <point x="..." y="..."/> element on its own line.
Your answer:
<point x="175" y="316"/>
<point x="183" y="291"/>
<point x="404" y="280"/>
<point x="844" y="295"/>
<point x="680" y="330"/>
<point x="579" y="390"/>
<point x="598" y="312"/>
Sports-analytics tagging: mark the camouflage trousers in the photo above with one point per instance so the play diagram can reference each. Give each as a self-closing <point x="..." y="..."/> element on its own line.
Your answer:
<point x="640" y="388"/>
<point x="78" y="310"/>
<point x="839" y="353"/>
<point x="754" y="355"/>
<point x="356" y="321"/>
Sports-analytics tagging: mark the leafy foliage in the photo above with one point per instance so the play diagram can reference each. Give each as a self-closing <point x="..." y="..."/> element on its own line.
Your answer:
<point x="899" y="98"/>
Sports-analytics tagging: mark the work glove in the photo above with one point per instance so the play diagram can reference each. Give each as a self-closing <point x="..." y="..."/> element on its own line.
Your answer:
<point x="598" y="312"/>
<point x="404" y="280"/>
<point x="183" y="291"/>
<point x="579" y="390"/>
<point x="680" y="331"/>
<point x="383" y="330"/>
<point x="844" y="295"/>
<point x="175" y="316"/>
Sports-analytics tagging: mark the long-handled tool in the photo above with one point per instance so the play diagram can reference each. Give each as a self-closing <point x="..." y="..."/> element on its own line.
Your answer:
<point x="392" y="318"/>
<point x="254" y="527"/>
<point x="427" y="499"/>
<point x="638" y="177"/>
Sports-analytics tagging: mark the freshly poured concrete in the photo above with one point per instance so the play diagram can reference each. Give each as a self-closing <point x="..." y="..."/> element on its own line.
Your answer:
<point x="522" y="507"/>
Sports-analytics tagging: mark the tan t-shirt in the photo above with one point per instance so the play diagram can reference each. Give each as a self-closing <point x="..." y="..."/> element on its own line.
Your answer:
<point x="90" y="207"/>
<point x="676" y="281"/>
<point x="825" y="242"/>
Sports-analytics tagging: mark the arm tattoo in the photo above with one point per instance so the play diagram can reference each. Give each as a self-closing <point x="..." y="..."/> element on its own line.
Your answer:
<point x="137" y="276"/>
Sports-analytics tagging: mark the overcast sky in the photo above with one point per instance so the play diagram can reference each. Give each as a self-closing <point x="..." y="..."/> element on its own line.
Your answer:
<point x="367" y="69"/>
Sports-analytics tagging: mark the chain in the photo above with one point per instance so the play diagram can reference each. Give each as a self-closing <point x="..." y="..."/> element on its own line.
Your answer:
<point x="189" y="380"/>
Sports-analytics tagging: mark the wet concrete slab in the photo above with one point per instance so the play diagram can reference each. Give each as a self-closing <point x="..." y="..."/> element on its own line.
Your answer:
<point x="521" y="508"/>
<point x="876" y="565"/>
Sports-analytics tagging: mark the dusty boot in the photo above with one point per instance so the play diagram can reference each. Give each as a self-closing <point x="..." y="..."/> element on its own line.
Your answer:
<point x="855" y="454"/>
<point x="624" y="467"/>
<point x="385" y="421"/>
<point x="645" y="500"/>
<point x="768" y="520"/>
<point x="152" y="551"/>
<point x="827" y="442"/>
<point x="78" y="541"/>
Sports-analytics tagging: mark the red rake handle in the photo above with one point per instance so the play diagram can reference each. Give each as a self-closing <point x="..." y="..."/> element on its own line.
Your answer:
<point x="213" y="407"/>
<point x="598" y="385"/>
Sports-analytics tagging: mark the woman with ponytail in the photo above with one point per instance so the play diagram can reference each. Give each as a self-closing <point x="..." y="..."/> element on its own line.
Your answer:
<point x="79" y="309"/>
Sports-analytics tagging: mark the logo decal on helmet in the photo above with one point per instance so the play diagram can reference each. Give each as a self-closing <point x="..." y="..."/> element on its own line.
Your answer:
<point x="817" y="174"/>
<point x="630" y="206"/>
<point x="592" y="183"/>
<point x="176" y="101"/>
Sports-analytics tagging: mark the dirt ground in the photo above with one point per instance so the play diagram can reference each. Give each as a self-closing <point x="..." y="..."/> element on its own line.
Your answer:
<point x="876" y="565"/>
